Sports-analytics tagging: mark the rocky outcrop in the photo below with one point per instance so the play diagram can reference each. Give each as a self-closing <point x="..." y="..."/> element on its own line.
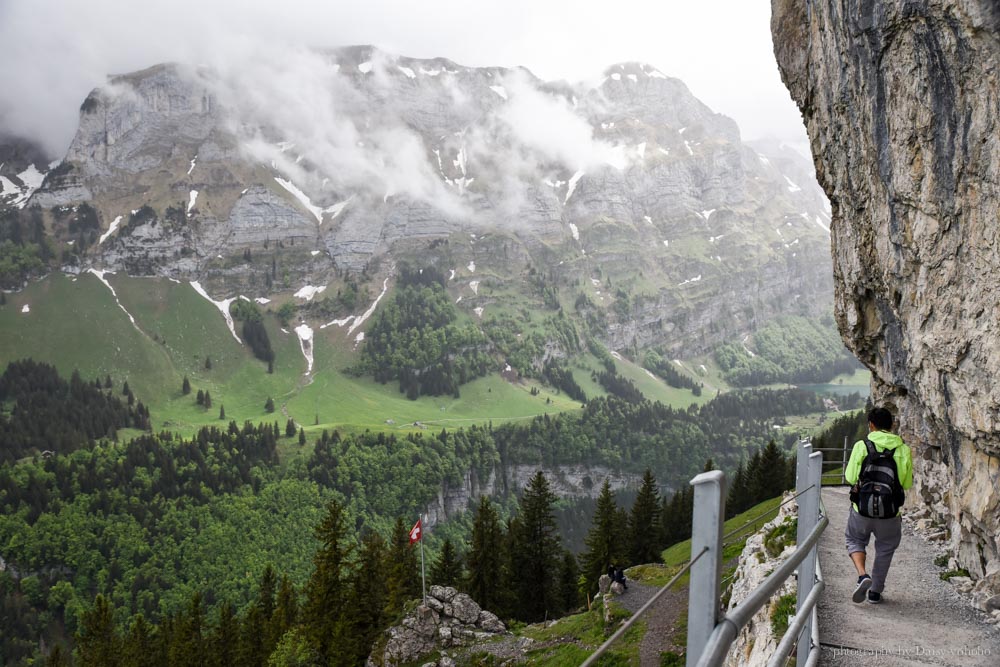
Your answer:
<point x="902" y="105"/>
<point x="756" y="642"/>
<point x="447" y="619"/>
<point x="566" y="481"/>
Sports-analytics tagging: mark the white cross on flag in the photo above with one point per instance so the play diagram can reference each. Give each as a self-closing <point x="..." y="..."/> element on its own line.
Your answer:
<point x="415" y="532"/>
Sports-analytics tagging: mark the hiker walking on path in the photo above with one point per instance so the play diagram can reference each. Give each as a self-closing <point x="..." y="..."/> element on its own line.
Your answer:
<point x="880" y="470"/>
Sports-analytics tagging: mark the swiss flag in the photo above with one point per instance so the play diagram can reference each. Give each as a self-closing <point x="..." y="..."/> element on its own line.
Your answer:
<point x="416" y="532"/>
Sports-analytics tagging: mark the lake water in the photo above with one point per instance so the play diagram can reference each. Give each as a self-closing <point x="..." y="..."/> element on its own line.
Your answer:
<point x="838" y="389"/>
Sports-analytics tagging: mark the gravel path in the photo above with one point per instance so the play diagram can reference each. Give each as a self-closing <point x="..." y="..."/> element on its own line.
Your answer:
<point x="921" y="621"/>
<point x="661" y="620"/>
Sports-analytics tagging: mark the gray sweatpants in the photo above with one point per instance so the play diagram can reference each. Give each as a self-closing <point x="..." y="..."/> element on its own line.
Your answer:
<point x="888" y="533"/>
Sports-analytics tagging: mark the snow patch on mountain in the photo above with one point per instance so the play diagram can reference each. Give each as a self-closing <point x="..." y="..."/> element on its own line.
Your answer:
<point x="368" y="313"/>
<point x="111" y="230"/>
<point x="100" y="276"/>
<point x="305" y="334"/>
<point x="223" y="307"/>
<point x="192" y="198"/>
<point x="308" y="292"/>
<point x="301" y="196"/>
<point x="572" y="185"/>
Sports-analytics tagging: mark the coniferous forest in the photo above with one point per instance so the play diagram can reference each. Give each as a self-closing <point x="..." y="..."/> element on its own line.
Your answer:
<point x="164" y="549"/>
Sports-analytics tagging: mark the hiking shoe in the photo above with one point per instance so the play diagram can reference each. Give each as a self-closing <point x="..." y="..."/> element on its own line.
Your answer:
<point x="864" y="583"/>
<point x="874" y="598"/>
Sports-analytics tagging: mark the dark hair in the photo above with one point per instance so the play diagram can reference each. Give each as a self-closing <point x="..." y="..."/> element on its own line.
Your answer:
<point x="881" y="418"/>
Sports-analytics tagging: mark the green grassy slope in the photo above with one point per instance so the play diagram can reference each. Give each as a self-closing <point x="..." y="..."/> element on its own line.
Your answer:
<point x="75" y="323"/>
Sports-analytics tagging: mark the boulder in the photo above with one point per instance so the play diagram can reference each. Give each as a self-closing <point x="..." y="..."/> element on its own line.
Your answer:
<point x="443" y="593"/>
<point x="465" y="609"/>
<point x="604" y="584"/>
<point x="489" y="622"/>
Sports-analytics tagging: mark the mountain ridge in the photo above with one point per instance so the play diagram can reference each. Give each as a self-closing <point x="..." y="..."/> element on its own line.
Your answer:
<point x="632" y="183"/>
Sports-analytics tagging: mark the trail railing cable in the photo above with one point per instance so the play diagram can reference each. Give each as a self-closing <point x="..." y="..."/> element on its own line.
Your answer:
<point x="710" y="632"/>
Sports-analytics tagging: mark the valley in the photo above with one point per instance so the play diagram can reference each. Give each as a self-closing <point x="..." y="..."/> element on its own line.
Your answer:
<point x="315" y="340"/>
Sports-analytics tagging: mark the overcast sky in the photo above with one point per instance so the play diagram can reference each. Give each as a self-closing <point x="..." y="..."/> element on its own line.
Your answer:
<point x="53" y="52"/>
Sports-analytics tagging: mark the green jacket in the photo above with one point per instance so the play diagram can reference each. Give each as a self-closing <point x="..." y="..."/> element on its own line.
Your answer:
<point x="882" y="440"/>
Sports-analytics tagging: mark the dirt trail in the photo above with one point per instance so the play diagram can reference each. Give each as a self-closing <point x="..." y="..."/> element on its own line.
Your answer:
<point x="661" y="620"/>
<point x="921" y="621"/>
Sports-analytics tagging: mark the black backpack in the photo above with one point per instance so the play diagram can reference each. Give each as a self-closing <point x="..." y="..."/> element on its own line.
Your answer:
<point x="878" y="493"/>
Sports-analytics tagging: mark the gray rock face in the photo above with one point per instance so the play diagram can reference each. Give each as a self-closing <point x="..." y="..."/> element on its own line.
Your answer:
<point x="447" y="619"/>
<point x="901" y="104"/>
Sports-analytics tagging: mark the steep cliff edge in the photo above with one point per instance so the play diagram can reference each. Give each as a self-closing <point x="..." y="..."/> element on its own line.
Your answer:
<point x="902" y="105"/>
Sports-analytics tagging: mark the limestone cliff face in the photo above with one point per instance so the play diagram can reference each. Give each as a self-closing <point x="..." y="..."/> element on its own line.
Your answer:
<point x="652" y="207"/>
<point x="902" y="104"/>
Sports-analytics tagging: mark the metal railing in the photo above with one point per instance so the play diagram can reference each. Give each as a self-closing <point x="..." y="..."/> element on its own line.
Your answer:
<point x="710" y="634"/>
<point x="835" y="453"/>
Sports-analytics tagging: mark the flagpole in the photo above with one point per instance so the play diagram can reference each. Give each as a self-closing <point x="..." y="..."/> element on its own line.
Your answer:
<point x="423" y="577"/>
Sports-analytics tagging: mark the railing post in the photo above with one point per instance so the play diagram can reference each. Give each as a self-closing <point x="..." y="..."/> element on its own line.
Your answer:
<point x="809" y="472"/>
<point x="706" y="531"/>
<point x="843" y="466"/>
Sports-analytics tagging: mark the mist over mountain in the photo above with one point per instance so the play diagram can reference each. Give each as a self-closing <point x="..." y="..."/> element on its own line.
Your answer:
<point x="336" y="160"/>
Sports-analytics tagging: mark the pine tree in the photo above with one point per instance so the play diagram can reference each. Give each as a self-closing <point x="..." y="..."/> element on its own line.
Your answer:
<point x="252" y="634"/>
<point x="302" y="436"/>
<point x="289" y="428"/>
<point x="224" y="642"/>
<point x="200" y="398"/>
<point x="208" y="400"/>
<point x="485" y="554"/>
<point x="186" y="386"/>
<point x="97" y="643"/>
<point x="269" y="405"/>
<point x="187" y="647"/>
<point x="208" y="363"/>
<point x="323" y="615"/>
<point x="107" y="381"/>
<point x="138" y="649"/>
<point x="265" y="603"/>
<point x="368" y="594"/>
<point x="738" y="496"/>
<point x="58" y="656"/>
<point x="447" y="571"/>
<point x="222" y="411"/>
<point x="773" y="472"/>
<point x="403" y="571"/>
<point x="535" y="552"/>
<point x="754" y="480"/>
<point x="286" y="610"/>
<point x="265" y="595"/>
<point x="606" y="539"/>
<point x="644" y="547"/>
<point x="569" y="582"/>
<point x="125" y="389"/>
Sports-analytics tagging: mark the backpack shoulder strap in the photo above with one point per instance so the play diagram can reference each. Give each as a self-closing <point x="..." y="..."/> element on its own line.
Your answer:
<point x="871" y="447"/>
